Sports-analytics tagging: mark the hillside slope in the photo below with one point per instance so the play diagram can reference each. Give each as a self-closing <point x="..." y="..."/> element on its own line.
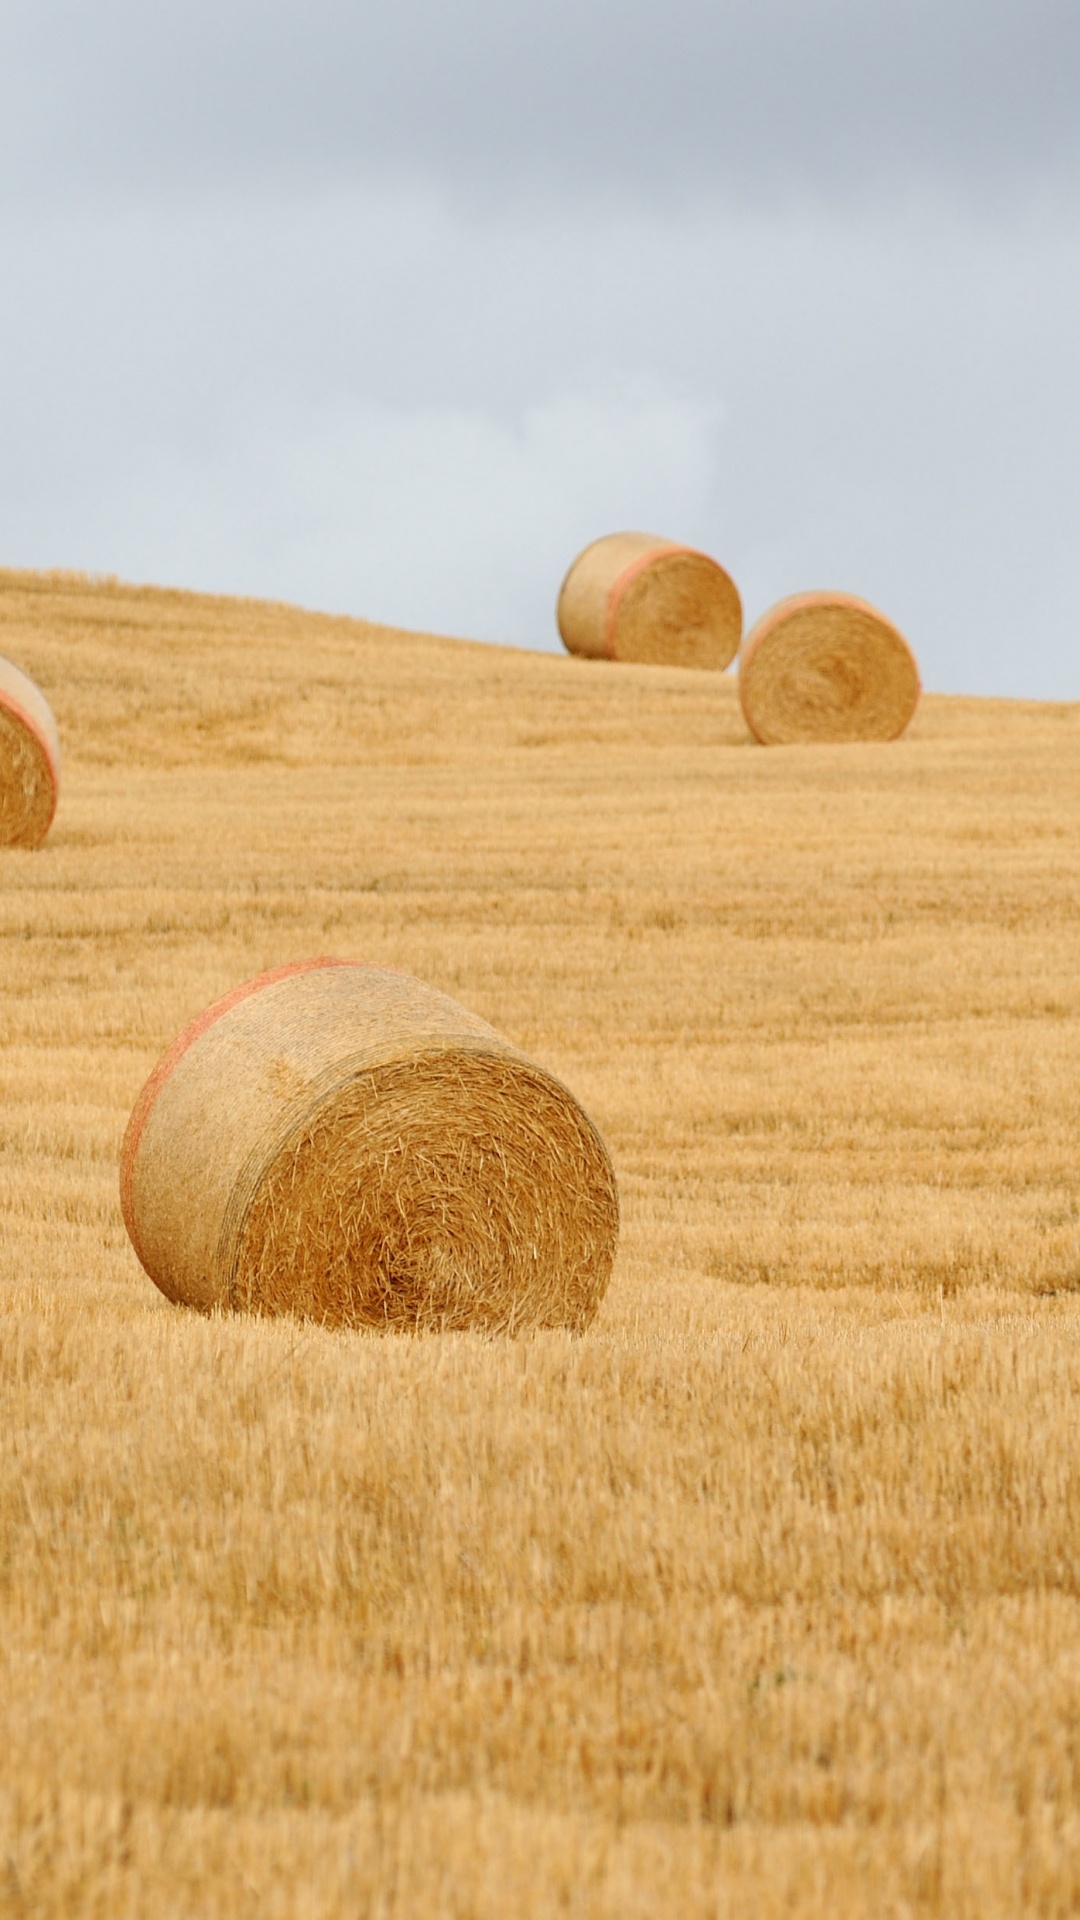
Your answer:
<point x="765" y="1592"/>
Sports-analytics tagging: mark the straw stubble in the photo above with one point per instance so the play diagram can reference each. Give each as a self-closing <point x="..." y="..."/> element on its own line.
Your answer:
<point x="764" y="1597"/>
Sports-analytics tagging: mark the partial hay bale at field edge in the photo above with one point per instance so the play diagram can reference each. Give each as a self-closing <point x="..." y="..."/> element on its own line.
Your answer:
<point x="29" y="760"/>
<point x="636" y="597"/>
<point x="824" y="667"/>
<point x="343" y="1143"/>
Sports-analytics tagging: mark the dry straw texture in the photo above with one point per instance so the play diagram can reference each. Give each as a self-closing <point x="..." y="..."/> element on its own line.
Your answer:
<point x="340" y="1142"/>
<point x="762" y="1598"/>
<point x="29" y="760"/>
<point x="825" y="667"/>
<point x="635" y="597"/>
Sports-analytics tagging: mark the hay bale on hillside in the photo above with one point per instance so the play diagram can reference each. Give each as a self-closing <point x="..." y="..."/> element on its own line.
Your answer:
<point x="341" y="1142"/>
<point x="633" y="596"/>
<point x="29" y="760"/>
<point x="826" y="667"/>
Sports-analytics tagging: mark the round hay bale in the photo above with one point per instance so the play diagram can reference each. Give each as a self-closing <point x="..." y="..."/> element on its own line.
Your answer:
<point x="29" y="760"/>
<point x="633" y="596"/>
<point x="826" y="667"/>
<point x="341" y="1142"/>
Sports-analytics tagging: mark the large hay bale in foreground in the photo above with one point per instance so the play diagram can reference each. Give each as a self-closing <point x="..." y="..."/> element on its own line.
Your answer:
<point x="29" y="760"/>
<point x="826" y="667"/>
<point x="633" y="596"/>
<point x="341" y="1142"/>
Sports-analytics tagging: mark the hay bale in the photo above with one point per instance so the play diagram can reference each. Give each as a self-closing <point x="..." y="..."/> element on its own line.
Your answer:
<point x="341" y="1142"/>
<point x="632" y="596"/>
<point x="29" y="760"/>
<point x="826" y="667"/>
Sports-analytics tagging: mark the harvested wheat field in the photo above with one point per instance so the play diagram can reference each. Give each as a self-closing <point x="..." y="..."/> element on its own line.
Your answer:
<point x="762" y="1596"/>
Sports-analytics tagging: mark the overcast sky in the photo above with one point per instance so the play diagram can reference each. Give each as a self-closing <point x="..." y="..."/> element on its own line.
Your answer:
<point x="388" y="311"/>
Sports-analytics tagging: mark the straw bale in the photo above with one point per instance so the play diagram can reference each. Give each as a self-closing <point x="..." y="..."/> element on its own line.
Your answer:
<point x="29" y="760"/>
<point x="344" y="1143"/>
<point x="826" y="667"/>
<point x="633" y="596"/>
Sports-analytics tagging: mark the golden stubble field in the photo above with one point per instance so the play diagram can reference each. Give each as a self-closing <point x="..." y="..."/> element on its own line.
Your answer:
<point x="763" y="1597"/>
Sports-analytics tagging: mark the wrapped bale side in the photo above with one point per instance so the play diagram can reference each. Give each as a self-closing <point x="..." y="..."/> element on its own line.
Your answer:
<point x="29" y="760"/>
<point x="636" y="597"/>
<point x="824" y="667"/>
<point x="341" y="1142"/>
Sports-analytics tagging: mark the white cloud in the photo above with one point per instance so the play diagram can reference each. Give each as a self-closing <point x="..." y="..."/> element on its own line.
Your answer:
<point x="461" y="521"/>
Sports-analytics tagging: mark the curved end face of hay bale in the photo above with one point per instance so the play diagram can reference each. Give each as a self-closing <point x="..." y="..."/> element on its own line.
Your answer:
<point x="343" y="1143"/>
<point x="635" y="597"/>
<point x="824" y="667"/>
<point x="29" y="760"/>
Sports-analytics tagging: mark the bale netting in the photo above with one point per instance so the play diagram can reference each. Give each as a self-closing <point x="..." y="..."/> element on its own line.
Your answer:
<point x="633" y="596"/>
<point x="826" y="667"/>
<point x="29" y="760"/>
<point x="342" y="1143"/>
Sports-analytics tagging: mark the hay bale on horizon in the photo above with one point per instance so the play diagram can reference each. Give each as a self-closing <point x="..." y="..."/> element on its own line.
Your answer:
<point x="636" y="597"/>
<point x="29" y="760"/>
<point x="823" y="667"/>
<point x="341" y="1142"/>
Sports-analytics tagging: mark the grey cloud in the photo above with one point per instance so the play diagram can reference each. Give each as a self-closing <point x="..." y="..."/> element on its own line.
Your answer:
<point x="391" y="309"/>
<point x="703" y="97"/>
<point x="372" y="402"/>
